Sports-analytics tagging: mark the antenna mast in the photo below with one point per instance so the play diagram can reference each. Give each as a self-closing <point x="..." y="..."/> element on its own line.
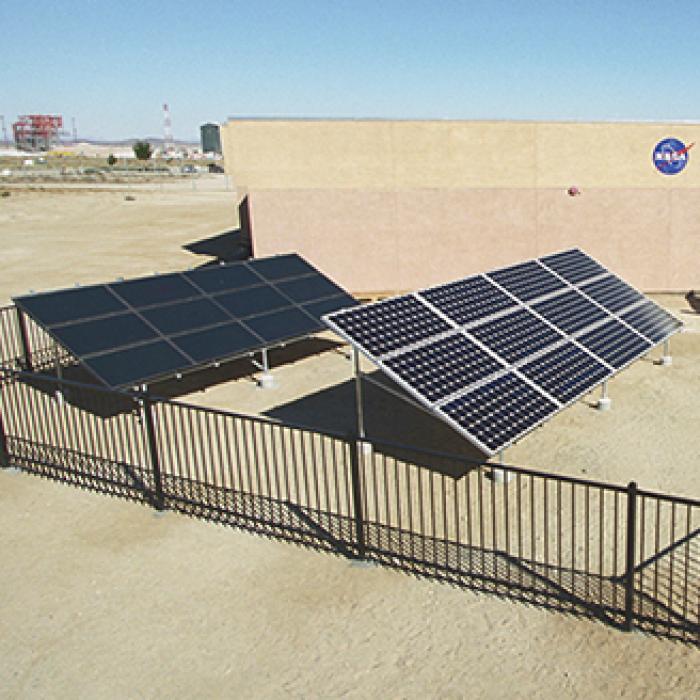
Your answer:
<point x="167" y="130"/>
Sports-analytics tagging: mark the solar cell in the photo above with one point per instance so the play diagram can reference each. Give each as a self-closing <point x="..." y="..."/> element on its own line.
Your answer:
<point x="527" y="280"/>
<point x="612" y="293"/>
<point x="325" y="306"/>
<point x="499" y="411"/>
<point x="573" y="265"/>
<point x="467" y="300"/>
<point x="217" y="342"/>
<point x="565" y="372"/>
<point x="249" y="302"/>
<point x="281" y="267"/>
<point x="98" y="335"/>
<point x="444" y="366"/>
<point x="185" y="316"/>
<point x="570" y="312"/>
<point x="303" y="289"/>
<point x="223" y="278"/>
<point x="132" y="365"/>
<point x="651" y="320"/>
<point x="281" y="325"/>
<point x="391" y="324"/>
<point x="614" y="343"/>
<point x="71" y="304"/>
<point x="516" y="335"/>
<point x="150" y="291"/>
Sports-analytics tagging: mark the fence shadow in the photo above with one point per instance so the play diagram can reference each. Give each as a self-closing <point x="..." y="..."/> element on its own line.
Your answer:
<point x="553" y="541"/>
<point x="496" y="572"/>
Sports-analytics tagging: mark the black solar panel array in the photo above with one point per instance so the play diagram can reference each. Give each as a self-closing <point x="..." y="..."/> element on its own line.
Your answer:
<point x="497" y="354"/>
<point x="137" y="330"/>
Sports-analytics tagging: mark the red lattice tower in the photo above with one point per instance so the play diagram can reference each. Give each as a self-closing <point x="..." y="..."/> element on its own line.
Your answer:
<point x="37" y="132"/>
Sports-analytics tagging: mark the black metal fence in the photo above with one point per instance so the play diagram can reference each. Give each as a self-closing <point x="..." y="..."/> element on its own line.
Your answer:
<point x="615" y="553"/>
<point x="25" y="345"/>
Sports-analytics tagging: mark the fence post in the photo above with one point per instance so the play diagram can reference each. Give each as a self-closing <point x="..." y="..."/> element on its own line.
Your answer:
<point x="24" y="340"/>
<point x="147" y="405"/>
<point x="4" y="455"/>
<point x="357" y="496"/>
<point x="631" y="546"/>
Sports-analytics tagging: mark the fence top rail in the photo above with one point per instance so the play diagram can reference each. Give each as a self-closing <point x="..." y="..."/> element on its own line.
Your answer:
<point x="346" y="437"/>
<point x="680" y="500"/>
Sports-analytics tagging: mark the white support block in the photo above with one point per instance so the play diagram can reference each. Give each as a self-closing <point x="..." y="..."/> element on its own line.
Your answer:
<point x="501" y="476"/>
<point x="365" y="447"/>
<point x="266" y="381"/>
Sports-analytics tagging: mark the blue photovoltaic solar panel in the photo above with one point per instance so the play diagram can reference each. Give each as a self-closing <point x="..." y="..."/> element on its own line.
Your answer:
<point x="444" y="366"/>
<point x="570" y="312"/>
<point x="527" y="280"/>
<point x="566" y="372"/>
<point x="516" y="336"/>
<point x="468" y="300"/>
<point x="496" y="354"/>
<point x="615" y="343"/>
<point x="499" y="411"/>
<point x="391" y="324"/>
<point x="134" y="331"/>
<point x="573" y="265"/>
<point x="652" y="321"/>
<point x="612" y="293"/>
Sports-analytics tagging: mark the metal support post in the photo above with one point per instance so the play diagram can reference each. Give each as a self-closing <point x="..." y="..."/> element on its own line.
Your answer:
<point x="666" y="359"/>
<point x="604" y="402"/>
<point x="147" y="406"/>
<point x="357" y="498"/>
<point x="359" y="412"/>
<point x="59" y="374"/>
<point x="24" y="340"/>
<point x="359" y="404"/>
<point x="629" y="558"/>
<point x="266" y="380"/>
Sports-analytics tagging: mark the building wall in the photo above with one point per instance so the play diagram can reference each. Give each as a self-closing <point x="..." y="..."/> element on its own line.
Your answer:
<point x="383" y="206"/>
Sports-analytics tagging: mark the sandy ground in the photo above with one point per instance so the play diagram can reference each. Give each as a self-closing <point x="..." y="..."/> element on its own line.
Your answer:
<point x="102" y="598"/>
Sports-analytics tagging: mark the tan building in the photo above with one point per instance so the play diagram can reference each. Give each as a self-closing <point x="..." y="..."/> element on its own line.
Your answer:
<point x="398" y="205"/>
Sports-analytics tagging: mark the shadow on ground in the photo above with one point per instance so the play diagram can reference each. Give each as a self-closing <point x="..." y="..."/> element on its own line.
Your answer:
<point x="387" y="419"/>
<point x="93" y="397"/>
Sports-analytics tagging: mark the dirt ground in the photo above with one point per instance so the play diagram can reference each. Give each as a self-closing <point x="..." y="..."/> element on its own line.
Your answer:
<point x="103" y="598"/>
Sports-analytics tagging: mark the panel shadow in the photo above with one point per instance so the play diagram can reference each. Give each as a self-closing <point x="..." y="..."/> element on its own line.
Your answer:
<point x="388" y="420"/>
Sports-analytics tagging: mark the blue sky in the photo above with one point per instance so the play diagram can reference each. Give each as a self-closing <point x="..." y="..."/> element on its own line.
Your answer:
<point x="112" y="65"/>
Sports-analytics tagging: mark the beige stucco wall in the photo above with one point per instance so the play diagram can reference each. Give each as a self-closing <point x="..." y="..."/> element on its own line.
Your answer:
<point x="388" y="205"/>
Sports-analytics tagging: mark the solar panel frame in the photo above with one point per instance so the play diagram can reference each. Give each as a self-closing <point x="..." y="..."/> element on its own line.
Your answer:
<point x="518" y="367"/>
<point x="209" y="286"/>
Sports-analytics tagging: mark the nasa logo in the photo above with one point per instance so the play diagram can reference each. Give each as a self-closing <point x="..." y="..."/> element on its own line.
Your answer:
<point x="671" y="156"/>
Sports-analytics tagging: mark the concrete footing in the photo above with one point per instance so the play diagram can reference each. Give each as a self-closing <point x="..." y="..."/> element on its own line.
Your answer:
<point x="365" y="448"/>
<point x="500" y="476"/>
<point x="604" y="403"/>
<point x="266" y="380"/>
